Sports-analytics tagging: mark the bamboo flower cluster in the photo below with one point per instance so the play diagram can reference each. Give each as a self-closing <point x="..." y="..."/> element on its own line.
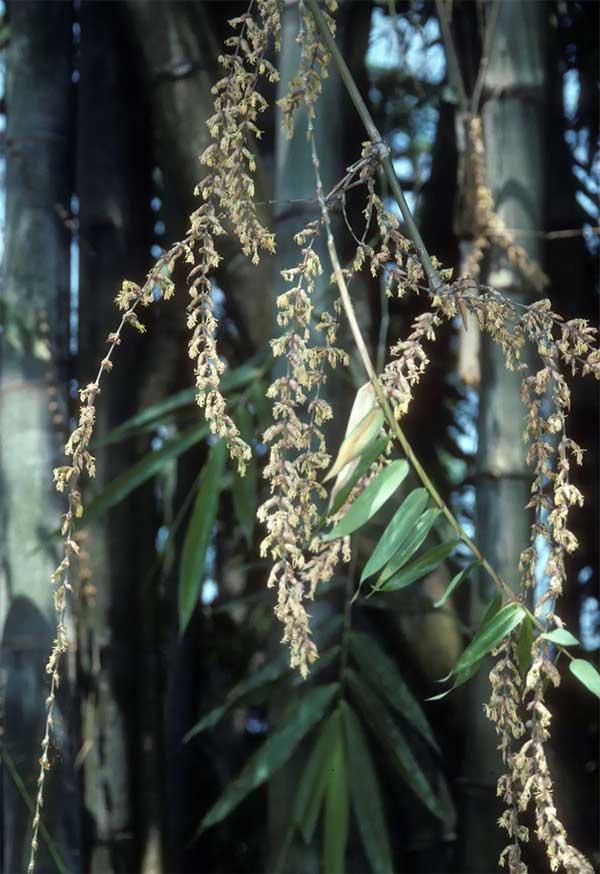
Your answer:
<point x="298" y="451"/>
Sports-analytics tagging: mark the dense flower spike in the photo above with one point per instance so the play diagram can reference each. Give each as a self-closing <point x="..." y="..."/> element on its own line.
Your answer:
<point x="298" y="452"/>
<point x="229" y="183"/>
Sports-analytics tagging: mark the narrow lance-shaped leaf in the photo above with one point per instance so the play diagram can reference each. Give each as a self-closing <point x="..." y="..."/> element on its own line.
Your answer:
<point x="524" y="644"/>
<point x="337" y="808"/>
<point x="562" y="637"/>
<point x="587" y="674"/>
<point x="419" y="568"/>
<point x="456" y="581"/>
<point x="308" y="799"/>
<point x="366" y="795"/>
<point x="273" y="753"/>
<point x="311" y="789"/>
<point x="143" y="470"/>
<point x="383" y="675"/>
<point x="399" y="528"/>
<point x="410" y="546"/>
<point x="152" y="414"/>
<point x="353" y="472"/>
<point x="244" y="488"/>
<point x="371" y="500"/>
<point x="465" y="675"/>
<point x="388" y="734"/>
<point x="363" y="404"/>
<point x="198" y="533"/>
<point x="254" y="689"/>
<point x="357" y="441"/>
<point x="490" y="634"/>
<point x="249" y="688"/>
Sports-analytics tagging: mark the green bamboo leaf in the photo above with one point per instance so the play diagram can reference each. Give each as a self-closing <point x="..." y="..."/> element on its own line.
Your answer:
<point x="400" y="527"/>
<point x="490" y="634"/>
<point x="339" y="494"/>
<point x="273" y="753"/>
<point x="254" y="687"/>
<point x="152" y="414"/>
<point x="462" y="676"/>
<point x="587" y="674"/>
<point x="371" y="500"/>
<point x="311" y="789"/>
<point x="244" y="489"/>
<point x="562" y="637"/>
<point x="143" y="470"/>
<point x="524" y="644"/>
<point x="198" y="533"/>
<point x="149" y="416"/>
<point x="337" y="808"/>
<point x="308" y="799"/>
<point x="385" y="729"/>
<point x="410" y="546"/>
<point x="366" y="795"/>
<point x="382" y="674"/>
<point x="419" y="568"/>
<point x="456" y="581"/>
<point x="355" y="443"/>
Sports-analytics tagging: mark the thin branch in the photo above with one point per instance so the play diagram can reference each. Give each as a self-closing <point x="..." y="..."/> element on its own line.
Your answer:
<point x="454" y="73"/>
<point x="485" y="56"/>
<point x="378" y="142"/>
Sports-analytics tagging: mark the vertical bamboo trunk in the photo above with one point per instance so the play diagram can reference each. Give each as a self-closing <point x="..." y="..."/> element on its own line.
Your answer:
<point x="514" y="126"/>
<point x="178" y="49"/>
<point x="36" y="281"/>
<point x="113" y="186"/>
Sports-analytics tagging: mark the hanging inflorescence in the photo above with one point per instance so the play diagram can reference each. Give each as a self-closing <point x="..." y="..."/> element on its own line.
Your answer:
<point x="307" y="350"/>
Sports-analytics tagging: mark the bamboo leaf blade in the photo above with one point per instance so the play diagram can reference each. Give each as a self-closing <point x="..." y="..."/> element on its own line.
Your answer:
<point x="273" y="754"/>
<point x="427" y="562"/>
<point x="154" y="413"/>
<point x="365" y="794"/>
<point x="244" y="489"/>
<point x="262" y="678"/>
<point x="198" y="534"/>
<point x="371" y="500"/>
<point x="524" y="644"/>
<point x="382" y="673"/>
<point x="311" y="789"/>
<point x="410" y="546"/>
<point x="343" y="486"/>
<point x="561" y="636"/>
<point x="357" y="441"/>
<point x="463" y="676"/>
<point x="337" y="808"/>
<point x="456" y="581"/>
<point x="385" y="729"/>
<point x="143" y="470"/>
<point x="397" y="531"/>
<point x="587" y="674"/>
<point x="490" y="634"/>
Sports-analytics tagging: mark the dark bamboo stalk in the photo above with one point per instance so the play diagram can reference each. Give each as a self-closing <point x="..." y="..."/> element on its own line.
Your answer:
<point x="35" y="291"/>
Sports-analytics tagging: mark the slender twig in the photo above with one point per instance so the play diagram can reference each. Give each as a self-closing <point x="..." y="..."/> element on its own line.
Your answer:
<point x="454" y="73"/>
<point x="28" y="800"/>
<point x="378" y="142"/>
<point x="485" y="56"/>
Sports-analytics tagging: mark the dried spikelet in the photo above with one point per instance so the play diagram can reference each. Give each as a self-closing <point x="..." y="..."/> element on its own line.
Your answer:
<point x="486" y="226"/>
